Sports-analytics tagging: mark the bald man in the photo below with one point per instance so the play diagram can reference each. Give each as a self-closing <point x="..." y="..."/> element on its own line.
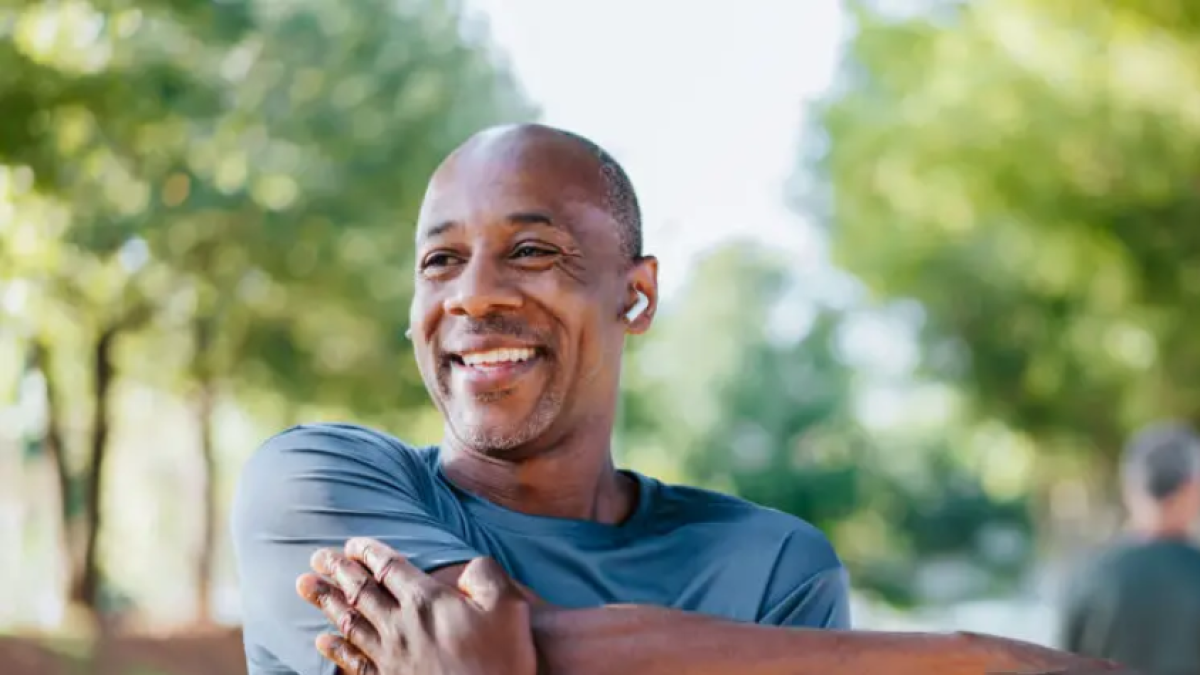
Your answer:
<point x="1139" y="601"/>
<point x="530" y="276"/>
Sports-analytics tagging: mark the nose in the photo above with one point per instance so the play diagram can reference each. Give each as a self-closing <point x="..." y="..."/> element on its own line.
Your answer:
<point x="482" y="289"/>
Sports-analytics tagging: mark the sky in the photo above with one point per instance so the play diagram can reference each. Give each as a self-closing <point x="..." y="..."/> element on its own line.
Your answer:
<point x="701" y="102"/>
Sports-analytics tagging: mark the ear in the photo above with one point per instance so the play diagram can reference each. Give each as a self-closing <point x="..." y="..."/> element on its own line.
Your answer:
<point x="643" y="277"/>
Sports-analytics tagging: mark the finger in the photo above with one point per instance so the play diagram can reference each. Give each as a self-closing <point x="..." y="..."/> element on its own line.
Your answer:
<point x="313" y="588"/>
<point x="358" y="547"/>
<point x="348" y="658"/>
<point x="320" y="561"/>
<point x="486" y="583"/>
<point x="349" y="575"/>
<point x="392" y="570"/>
<point x="351" y="623"/>
<point x="360" y="588"/>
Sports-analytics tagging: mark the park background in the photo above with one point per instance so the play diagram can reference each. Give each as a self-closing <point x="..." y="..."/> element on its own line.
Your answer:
<point x="926" y="264"/>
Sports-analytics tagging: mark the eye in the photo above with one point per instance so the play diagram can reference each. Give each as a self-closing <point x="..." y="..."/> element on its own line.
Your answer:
<point x="437" y="260"/>
<point x="531" y="251"/>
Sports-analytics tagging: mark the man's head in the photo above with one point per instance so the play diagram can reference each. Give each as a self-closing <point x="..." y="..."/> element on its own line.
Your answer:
<point x="1161" y="476"/>
<point x="528" y="256"/>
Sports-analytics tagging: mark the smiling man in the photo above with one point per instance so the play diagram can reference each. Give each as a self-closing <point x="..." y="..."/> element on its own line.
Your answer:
<point x="530" y="275"/>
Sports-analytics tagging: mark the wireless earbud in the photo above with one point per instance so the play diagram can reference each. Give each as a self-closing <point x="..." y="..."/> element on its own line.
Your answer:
<point x="408" y="333"/>
<point x="638" y="307"/>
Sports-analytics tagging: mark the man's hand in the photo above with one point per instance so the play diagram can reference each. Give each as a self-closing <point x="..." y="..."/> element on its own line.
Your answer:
<point x="396" y="620"/>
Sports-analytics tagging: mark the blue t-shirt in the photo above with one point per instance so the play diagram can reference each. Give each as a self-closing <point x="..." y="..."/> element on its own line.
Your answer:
<point x="316" y="486"/>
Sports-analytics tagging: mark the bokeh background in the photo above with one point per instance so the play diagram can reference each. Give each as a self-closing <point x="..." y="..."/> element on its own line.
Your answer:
<point x="926" y="264"/>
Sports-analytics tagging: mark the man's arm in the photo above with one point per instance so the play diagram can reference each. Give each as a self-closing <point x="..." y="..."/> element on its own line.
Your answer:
<point x="623" y="640"/>
<point x="315" y="487"/>
<point x="651" y="641"/>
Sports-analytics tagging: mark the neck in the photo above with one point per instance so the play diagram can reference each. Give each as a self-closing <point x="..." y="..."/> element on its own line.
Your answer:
<point x="575" y="479"/>
<point x="1157" y="527"/>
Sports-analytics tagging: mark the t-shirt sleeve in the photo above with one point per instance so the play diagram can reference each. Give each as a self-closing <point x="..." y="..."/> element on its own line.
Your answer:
<point x="313" y="487"/>
<point x="808" y="587"/>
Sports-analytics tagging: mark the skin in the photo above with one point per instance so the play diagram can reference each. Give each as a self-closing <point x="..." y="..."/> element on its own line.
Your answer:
<point x="516" y="246"/>
<point x="1168" y="518"/>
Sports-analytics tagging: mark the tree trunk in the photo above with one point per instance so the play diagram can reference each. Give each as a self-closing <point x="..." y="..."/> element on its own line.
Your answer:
<point x="204" y="406"/>
<point x="88" y="592"/>
<point x="73" y="533"/>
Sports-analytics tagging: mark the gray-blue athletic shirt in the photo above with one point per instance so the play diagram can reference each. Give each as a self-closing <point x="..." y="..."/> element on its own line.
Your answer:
<point x="316" y="486"/>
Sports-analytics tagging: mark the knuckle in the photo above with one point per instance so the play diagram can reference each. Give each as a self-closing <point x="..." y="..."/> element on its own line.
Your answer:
<point x="352" y="584"/>
<point x="420" y="604"/>
<point x="351" y="659"/>
<point x="350" y="624"/>
<point x="419" y="601"/>
<point x="390" y="566"/>
<point x="343" y="570"/>
<point x="328" y="603"/>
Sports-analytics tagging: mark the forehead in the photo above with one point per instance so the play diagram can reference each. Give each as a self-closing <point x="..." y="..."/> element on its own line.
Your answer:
<point x="490" y="180"/>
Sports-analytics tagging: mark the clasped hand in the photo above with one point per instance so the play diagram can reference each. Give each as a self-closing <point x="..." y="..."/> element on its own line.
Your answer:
<point x="396" y="620"/>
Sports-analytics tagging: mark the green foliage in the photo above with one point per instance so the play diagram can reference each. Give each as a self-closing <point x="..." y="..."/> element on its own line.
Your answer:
<point x="1027" y="171"/>
<point x="224" y="192"/>
<point x="774" y="419"/>
<point x="255" y="167"/>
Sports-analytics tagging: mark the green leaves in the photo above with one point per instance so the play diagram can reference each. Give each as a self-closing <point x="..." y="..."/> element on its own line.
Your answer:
<point x="263" y="160"/>
<point x="714" y="397"/>
<point x="1028" y="173"/>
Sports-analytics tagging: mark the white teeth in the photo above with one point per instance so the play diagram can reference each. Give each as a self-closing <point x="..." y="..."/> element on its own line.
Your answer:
<point x="497" y="356"/>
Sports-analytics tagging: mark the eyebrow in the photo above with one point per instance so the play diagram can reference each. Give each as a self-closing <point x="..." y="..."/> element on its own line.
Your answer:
<point x="516" y="219"/>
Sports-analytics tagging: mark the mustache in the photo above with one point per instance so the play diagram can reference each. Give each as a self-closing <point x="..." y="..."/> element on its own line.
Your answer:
<point x="499" y="325"/>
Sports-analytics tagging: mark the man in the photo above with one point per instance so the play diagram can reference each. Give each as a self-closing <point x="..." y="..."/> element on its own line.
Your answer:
<point x="1139" y="602"/>
<point x="530" y="274"/>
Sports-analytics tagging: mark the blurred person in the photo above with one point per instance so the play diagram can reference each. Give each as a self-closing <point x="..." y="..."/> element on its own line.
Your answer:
<point x="1139" y="601"/>
<point x="517" y="530"/>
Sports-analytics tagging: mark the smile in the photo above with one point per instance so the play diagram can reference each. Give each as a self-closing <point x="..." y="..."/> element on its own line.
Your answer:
<point x="488" y="370"/>
<point x="496" y="357"/>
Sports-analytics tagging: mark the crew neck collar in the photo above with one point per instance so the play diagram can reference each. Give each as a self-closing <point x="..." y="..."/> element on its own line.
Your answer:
<point x="534" y="525"/>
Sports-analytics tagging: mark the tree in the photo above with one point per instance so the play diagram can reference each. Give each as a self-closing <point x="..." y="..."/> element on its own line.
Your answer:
<point x="72" y="117"/>
<point x="1028" y="172"/>
<point x="237" y="177"/>
<point x="735" y="404"/>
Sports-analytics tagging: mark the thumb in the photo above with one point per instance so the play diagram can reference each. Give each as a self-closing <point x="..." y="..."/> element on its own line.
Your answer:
<point x="485" y="582"/>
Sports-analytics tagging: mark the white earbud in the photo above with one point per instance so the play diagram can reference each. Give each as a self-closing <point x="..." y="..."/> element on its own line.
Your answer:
<point x="638" y="307"/>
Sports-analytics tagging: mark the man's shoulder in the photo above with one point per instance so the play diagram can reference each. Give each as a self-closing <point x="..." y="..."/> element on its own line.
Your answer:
<point x="746" y="521"/>
<point x="330" y="444"/>
<point x="1125" y="563"/>
<point x="1134" y="559"/>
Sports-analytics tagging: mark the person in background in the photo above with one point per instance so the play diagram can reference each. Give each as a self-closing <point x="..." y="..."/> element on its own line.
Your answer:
<point x="1138" y="602"/>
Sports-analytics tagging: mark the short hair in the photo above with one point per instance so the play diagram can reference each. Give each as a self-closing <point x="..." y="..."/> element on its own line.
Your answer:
<point x="620" y="198"/>
<point x="1161" y="459"/>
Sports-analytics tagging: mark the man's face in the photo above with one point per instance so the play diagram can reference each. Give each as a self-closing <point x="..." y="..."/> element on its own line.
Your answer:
<point x="520" y="288"/>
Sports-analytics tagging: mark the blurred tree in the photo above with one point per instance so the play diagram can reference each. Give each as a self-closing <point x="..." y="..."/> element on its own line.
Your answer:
<point x="240" y="178"/>
<point x="74" y="105"/>
<point x="1028" y="172"/>
<point x="773" y="418"/>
